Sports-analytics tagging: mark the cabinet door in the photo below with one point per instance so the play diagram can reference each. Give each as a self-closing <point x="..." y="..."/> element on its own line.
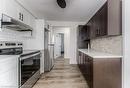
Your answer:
<point x="9" y="72"/>
<point x="78" y="57"/>
<point x="81" y="62"/>
<point x="104" y="20"/>
<point x="89" y="71"/>
<point x="83" y="36"/>
<point x="22" y="14"/>
<point x="102" y="15"/>
<point x="26" y="17"/>
<point x="31" y="20"/>
<point x="10" y="8"/>
<point x="96" y="24"/>
<point x="86" y="68"/>
<point x="107" y="73"/>
<point x="91" y="28"/>
<point x="1" y="5"/>
<point x="114" y="17"/>
<point x="100" y="21"/>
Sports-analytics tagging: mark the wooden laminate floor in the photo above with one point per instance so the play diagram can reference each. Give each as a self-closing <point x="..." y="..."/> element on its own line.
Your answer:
<point x="63" y="75"/>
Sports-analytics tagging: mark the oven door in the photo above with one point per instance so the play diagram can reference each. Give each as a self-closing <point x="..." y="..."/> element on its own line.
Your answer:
<point x="29" y="69"/>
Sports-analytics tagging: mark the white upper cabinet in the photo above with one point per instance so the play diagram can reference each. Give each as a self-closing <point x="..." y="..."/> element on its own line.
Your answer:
<point x="1" y="5"/>
<point x="10" y="8"/>
<point x="25" y="17"/>
<point x="15" y="10"/>
<point x="31" y="20"/>
<point x="22" y="15"/>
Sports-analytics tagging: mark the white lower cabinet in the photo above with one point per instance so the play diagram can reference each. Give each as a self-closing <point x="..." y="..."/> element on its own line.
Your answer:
<point x="9" y="77"/>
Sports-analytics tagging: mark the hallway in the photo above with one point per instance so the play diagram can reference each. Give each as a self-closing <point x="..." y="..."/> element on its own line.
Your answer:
<point x="63" y="75"/>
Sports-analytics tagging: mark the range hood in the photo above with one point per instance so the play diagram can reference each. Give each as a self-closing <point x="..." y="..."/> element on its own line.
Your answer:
<point x="10" y="23"/>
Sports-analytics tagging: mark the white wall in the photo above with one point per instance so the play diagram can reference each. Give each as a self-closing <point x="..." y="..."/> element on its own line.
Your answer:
<point x="126" y="33"/>
<point x="66" y="32"/>
<point x="73" y="36"/>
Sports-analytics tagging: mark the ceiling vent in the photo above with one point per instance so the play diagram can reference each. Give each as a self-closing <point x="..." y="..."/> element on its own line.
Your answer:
<point x="61" y="3"/>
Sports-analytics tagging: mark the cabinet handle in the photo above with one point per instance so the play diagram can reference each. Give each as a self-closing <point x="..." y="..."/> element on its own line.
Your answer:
<point x="19" y="16"/>
<point x="22" y="17"/>
<point x="98" y="32"/>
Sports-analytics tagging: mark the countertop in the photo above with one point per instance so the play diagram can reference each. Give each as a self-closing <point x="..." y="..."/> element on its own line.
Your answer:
<point x="25" y="52"/>
<point x="97" y="54"/>
<point x="29" y="51"/>
<point x="4" y="57"/>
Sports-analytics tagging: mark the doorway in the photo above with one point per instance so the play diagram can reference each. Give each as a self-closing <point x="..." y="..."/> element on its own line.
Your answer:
<point x="62" y="44"/>
<point x="59" y="45"/>
<point x="61" y="40"/>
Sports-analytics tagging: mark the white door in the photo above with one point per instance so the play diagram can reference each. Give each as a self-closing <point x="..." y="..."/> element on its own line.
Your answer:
<point x="57" y="50"/>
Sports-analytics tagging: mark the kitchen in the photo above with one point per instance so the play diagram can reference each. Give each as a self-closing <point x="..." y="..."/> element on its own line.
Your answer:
<point x="97" y="43"/>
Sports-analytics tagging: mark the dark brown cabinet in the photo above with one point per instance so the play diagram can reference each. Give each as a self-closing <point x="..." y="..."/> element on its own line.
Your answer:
<point x="85" y="64"/>
<point x="114" y="17"/>
<point x="98" y="23"/>
<point x="107" y="20"/>
<point x="90" y="25"/>
<point x="100" y="72"/>
<point x="83" y="36"/>
<point x="107" y="73"/>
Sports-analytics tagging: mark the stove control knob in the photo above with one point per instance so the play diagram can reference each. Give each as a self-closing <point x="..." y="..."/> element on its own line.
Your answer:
<point x="1" y="44"/>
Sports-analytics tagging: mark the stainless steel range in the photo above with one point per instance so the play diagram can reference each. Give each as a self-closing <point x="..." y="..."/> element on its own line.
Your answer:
<point x="29" y="68"/>
<point x="28" y="63"/>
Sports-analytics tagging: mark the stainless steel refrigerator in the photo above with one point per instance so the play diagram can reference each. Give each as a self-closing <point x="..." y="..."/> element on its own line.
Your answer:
<point x="48" y="52"/>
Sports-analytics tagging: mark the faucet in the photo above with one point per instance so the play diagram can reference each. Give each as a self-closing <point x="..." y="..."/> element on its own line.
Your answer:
<point x="89" y="46"/>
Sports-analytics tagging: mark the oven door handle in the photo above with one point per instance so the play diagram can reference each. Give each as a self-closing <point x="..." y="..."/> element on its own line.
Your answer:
<point x="29" y="56"/>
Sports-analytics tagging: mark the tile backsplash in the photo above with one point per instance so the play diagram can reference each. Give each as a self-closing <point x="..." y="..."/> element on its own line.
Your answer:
<point x="10" y="35"/>
<point x="111" y="45"/>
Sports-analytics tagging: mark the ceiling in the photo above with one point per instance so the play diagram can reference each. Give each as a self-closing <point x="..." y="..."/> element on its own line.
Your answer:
<point x="76" y="10"/>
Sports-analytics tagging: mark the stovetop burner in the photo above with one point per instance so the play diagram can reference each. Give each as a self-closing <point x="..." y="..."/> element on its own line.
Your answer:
<point x="11" y="48"/>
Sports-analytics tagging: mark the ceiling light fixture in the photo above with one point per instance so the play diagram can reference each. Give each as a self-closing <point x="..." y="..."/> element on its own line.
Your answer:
<point x="61" y="3"/>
